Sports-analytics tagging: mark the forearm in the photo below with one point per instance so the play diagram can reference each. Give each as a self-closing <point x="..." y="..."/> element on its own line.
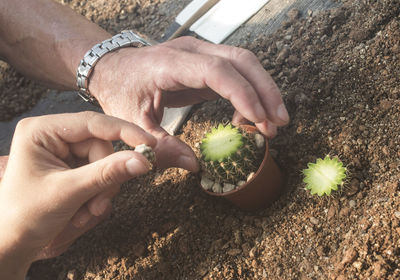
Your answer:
<point x="12" y="267"/>
<point x="15" y="259"/>
<point x="46" y="40"/>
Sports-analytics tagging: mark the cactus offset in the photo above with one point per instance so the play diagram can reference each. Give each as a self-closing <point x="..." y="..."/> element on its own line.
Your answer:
<point x="229" y="154"/>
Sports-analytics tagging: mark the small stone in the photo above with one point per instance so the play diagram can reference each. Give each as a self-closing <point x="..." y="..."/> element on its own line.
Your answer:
<point x="71" y="275"/>
<point x="331" y="211"/>
<point x="253" y="252"/>
<point x="260" y="141"/>
<point x="344" y="211"/>
<point x="241" y="183"/>
<point x="206" y="183"/>
<point x="353" y="188"/>
<point x="228" y="187"/>
<point x="288" y="37"/>
<point x="251" y="175"/>
<point x="146" y="151"/>
<point x="234" y="252"/>
<point x="349" y="256"/>
<point x="283" y="54"/>
<point x="293" y="14"/>
<point x="314" y="220"/>
<point x="397" y="214"/>
<point x="352" y="203"/>
<point x="217" y="188"/>
<point x="357" y="265"/>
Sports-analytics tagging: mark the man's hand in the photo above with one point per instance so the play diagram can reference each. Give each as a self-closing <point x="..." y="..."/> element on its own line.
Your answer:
<point x="59" y="181"/>
<point x="136" y="85"/>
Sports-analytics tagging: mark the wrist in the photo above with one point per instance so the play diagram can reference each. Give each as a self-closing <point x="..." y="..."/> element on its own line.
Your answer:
<point x="15" y="260"/>
<point x="125" y="39"/>
<point x="15" y="255"/>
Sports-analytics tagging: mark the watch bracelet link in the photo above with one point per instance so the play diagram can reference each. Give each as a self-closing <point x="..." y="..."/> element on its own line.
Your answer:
<point x="126" y="38"/>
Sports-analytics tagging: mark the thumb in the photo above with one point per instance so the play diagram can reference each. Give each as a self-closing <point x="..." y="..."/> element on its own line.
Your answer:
<point x="94" y="178"/>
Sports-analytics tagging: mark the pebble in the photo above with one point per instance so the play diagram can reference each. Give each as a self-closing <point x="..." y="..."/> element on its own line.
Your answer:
<point x="397" y="214"/>
<point x="293" y="14"/>
<point x="349" y="256"/>
<point x="206" y="183"/>
<point x="240" y="183"/>
<point x="251" y="175"/>
<point x="260" y="141"/>
<point x="253" y="252"/>
<point x="217" y="188"/>
<point x="234" y="252"/>
<point x="72" y="275"/>
<point x="331" y="211"/>
<point x="228" y="187"/>
<point x="352" y="203"/>
<point x="357" y="265"/>
<point x="314" y="220"/>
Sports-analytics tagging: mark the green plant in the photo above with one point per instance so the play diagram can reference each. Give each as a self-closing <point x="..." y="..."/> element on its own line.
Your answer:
<point x="229" y="154"/>
<point x="324" y="176"/>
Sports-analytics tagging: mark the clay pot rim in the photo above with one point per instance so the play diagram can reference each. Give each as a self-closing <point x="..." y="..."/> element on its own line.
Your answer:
<point x="251" y="129"/>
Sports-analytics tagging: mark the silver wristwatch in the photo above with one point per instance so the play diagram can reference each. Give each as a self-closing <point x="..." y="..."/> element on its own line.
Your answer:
<point x="124" y="39"/>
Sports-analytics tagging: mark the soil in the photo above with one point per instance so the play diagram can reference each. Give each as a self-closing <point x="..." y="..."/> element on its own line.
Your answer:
<point x="339" y="74"/>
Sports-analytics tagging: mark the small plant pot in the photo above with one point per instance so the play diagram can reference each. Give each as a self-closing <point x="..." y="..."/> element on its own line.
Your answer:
<point x="262" y="189"/>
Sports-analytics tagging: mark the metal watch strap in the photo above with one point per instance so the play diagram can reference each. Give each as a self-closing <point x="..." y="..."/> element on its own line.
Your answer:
<point x="124" y="39"/>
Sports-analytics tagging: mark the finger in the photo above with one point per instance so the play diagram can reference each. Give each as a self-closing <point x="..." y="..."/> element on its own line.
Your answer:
<point x="249" y="67"/>
<point x="101" y="176"/>
<point x="92" y="149"/>
<point x="267" y="128"/>
<point x="238" y="119"/>
<point x="170" y="151"/>
<point x="81" y="217"/>
<point x="3" y="165"/>
<point x="68" y="236"/>
<point x="77" y="127"/>
<point x="201" y="71"/>
<point x="100" y="202"/>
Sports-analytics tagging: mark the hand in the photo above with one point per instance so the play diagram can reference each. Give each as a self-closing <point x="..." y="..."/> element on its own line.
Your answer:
<point x="60" y="177"/>
<point x="3" y="164"/>
<point x="136" y="85"/>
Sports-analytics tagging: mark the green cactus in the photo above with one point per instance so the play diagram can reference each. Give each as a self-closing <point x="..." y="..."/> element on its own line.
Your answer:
<point x="229" y="154"/>
<point x="324" y="176"/>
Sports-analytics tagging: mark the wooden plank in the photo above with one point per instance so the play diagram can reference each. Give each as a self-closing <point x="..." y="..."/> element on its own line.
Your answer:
<point x="271" y="16"/>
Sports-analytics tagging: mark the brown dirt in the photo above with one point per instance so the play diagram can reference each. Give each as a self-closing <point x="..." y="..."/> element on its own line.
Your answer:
<point x="339" y="73"/>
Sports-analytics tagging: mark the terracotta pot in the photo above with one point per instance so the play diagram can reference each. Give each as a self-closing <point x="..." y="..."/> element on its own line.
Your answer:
<point x="263" y="189"/>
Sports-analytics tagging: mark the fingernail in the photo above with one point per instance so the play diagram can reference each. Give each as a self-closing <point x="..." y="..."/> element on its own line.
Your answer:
<point x="188" y="163"/>
<point x="282" y="113"/>
<point x="101" y="207"/>
<point x="136" y="167"/>
<point x="260" y="112"/>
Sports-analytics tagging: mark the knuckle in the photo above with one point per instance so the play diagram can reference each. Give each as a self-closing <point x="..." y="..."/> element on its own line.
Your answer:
<point x="106" y="177"/>
<point x="216" y="64"/>
<point x="25" y="124"/>
<point x="241" y="54"/>
<point x="88" y="115"/>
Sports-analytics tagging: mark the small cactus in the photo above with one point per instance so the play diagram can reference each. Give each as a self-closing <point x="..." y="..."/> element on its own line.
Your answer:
<point x="324" y="176"/>
<point x="229" y="154"/>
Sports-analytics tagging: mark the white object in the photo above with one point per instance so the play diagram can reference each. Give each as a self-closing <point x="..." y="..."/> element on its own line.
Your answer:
<point x="228" y="187"/>
<point x="206" y="183"/>
<point x="222" y="19"/>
